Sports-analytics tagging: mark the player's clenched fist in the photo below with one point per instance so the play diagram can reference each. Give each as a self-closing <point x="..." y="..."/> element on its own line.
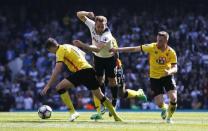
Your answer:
<point x="91" y="15"/>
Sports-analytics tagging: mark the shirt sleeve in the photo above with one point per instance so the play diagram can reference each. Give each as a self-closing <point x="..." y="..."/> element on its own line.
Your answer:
<point x="115" y="44"/>
<point x="60" y="55"/>
<point x="147" y="48"/>
<point x="90" y="23"/>
<point x="173" y="59"/>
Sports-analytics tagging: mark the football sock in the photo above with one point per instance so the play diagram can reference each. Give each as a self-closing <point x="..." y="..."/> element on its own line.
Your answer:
<point x="110" y="107"/>
<point x="97" y="101"/>
<point x="67" y="100"/>
<point x="114" y="91"/>
<point x="97" y="104"/>
<point x="164" y="106"/>
<point x="171" y="109"/>
<point x="131" y="93"/>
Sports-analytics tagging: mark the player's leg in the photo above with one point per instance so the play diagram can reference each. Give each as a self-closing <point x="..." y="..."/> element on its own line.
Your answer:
<point x="159" y="100"/>
<point x="128" y="93"/>
<point x="62" y="89"/>
<point x="123" y="92"/>
<point x="99" y="108"/>
<point x="170" y="86"/>
<point x="102" y="108"/>
<point x="110" y="66"/>
<point x="158" y="90"/>
<point x="135" y="94"/>
<point x="92" y="84"/>
<point x="98" y="65"/>
<point x="172" y="94"/>
<point x="106" y="103"/>
<point x="96" y="100"/>
<point x="114" y="90"/>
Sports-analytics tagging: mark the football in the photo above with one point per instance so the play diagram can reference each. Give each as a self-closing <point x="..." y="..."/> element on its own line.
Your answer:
<point x="44" y="112"/>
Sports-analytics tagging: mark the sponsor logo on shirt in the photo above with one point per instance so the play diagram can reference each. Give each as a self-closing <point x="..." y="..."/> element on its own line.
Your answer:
<point x="161" y="60"/>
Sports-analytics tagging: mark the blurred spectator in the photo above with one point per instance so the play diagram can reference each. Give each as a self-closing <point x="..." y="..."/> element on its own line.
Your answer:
<point x="25" y="65"/>
<point x="28" y="101"/>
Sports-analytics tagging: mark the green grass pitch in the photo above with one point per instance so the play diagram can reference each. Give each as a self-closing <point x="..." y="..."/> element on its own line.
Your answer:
<point x="141" y="121"/>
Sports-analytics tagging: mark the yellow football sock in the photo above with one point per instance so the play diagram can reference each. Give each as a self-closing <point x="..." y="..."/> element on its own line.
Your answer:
<point x="67" y="101"/>
<point x="110" y="107"/>
<point x="97" y="104"/>
<point x="131" y="93"/>
<point x="171" y="109"/>
<point x="164" y="106"/>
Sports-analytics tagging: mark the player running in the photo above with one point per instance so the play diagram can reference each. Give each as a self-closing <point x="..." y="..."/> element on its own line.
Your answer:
<point x="163" y="64"/>
<point x="83" y="73"/>
<point x="104" y="61"/>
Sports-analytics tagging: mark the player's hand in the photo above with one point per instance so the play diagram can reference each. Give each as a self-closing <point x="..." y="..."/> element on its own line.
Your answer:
<point x="118" y="62"/>
<point x="91" y="15"/>
<point x="167" y="72"/>
<point x="77" y="43"/>
<point x="114" y="50"/>
<point x="44" y="91"/>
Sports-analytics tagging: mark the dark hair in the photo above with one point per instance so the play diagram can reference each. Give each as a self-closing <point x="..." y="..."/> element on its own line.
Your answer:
<point x="51" y="42"/>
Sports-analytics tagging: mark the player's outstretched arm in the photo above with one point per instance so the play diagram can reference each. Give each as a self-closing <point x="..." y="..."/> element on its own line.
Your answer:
<point x="126" y="49"/>
<point x="83" y="14"/>
<point x="90" y="48"/>
<point x="53" y="78"/>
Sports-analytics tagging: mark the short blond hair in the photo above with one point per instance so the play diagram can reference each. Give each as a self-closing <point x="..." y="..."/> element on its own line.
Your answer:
<point x="101" y="19"/>
<point x="164" y="33"/>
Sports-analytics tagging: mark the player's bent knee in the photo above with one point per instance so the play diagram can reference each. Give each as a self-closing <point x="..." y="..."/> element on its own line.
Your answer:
<point x="173" y="100"/>
<point x="159" y="103"/>
<point x="61" y="91"/>
<point x="103" y="99"/>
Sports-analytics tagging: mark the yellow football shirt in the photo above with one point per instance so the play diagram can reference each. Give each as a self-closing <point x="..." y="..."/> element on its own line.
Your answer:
<point x="159" y="60"/>
<point x="115" y="44"/>
<point x="72" y="57"/>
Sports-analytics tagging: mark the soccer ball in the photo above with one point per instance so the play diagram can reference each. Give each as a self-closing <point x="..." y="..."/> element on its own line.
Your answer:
<point x="44" y="112"/>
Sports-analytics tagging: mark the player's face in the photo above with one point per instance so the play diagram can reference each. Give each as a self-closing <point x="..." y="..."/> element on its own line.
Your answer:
<point x="100" y="27"/>
<point x="161" y="40"/>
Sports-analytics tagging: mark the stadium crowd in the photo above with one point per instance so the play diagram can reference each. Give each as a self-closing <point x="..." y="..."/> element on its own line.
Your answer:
<point x="25" y="65"/>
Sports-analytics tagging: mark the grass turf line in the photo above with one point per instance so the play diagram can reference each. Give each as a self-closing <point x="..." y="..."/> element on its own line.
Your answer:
<point x="141" y="121"/>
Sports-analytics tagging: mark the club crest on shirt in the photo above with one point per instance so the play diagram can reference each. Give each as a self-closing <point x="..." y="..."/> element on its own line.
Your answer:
<point x="161" y="60"/>
<point x="105" y="39"/>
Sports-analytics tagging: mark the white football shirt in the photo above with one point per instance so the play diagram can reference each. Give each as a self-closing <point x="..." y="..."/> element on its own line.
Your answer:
<point x="97" y="40"/>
